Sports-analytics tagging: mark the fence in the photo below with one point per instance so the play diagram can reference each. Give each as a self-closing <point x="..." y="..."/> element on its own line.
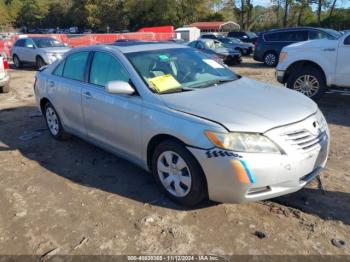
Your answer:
<point x="88" y="39"/>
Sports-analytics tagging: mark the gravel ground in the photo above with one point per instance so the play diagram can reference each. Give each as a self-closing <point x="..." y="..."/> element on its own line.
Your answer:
<point x="73" y="198"/>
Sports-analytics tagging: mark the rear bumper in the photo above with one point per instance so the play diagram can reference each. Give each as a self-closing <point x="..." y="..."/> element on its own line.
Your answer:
<point x="5" y="80"/>
<point x="264" y="175"/>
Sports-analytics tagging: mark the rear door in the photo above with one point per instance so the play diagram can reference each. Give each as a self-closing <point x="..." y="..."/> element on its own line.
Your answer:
<point x="29" y="52"/>
<point x="65" y="86"/>
<point x="342" y="76"/>
<point x="111" y="119"/>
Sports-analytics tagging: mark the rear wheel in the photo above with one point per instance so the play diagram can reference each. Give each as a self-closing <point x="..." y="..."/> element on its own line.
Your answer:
<point x="17" y="62"/>
<point x="178" y="173"/>
<point x="271" y="59"/>
<point x="53" y="122"/>
<point x="310" y="81"/>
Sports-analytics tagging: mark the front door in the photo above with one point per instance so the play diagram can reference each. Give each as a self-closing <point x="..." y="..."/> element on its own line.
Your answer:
<point x="342" y="76"/>
<point x="111" y="119"/>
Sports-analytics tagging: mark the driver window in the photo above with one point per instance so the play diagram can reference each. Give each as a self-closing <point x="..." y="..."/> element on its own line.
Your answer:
<point x="106" y="68"/>
<point x="28" y="43"/>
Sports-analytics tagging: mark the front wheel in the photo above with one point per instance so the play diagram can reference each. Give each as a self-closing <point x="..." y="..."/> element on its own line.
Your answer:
<point x="53" y="122"/>
<point x="18" y="64"/>
<point x="178" y="173"/>
<point x="40" y="62"/>
<point x="309" y="81"/>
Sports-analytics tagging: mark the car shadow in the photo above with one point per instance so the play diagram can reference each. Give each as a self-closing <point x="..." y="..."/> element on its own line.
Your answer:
<point x="336" y="108"/>
<point x="328" y="205"/>
<point x="24" y="130"/>
<point x="25" y="67"/>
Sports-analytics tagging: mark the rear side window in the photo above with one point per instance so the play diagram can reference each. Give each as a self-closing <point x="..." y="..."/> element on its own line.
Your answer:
<point x="20" y="43"/>
<point x="106" y="68"/>
<point x="291" y="36"/>
<point x="75" y="66"/>
<point x="59" y="69"/>
<point x="272" y="37"/>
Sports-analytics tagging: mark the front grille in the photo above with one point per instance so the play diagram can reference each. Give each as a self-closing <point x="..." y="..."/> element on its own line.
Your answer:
<point x="304" y="139"/>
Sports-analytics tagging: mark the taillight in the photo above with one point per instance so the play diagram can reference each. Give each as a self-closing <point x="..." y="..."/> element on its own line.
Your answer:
<point x="6" y="63"/>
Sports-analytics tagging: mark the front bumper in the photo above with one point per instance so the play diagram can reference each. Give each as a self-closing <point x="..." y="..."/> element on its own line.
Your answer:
<point x="268" y="175"/>
<point x="280" y="76"/>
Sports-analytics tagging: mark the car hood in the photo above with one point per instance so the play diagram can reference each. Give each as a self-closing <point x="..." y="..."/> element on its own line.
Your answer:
<point x="320" y="43"/>
<point x="244" y="105"/>
<point x="59" y="50"/>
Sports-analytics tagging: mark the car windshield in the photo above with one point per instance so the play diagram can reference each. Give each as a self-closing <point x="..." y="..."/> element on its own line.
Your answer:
<point x="179" y="69"/>
<point x="47" y="42"/>
<point x="334" y="34"/>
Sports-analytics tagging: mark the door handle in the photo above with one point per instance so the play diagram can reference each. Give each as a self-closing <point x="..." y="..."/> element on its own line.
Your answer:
<point x="87" y="95"/>
<point x="51" y="83"/>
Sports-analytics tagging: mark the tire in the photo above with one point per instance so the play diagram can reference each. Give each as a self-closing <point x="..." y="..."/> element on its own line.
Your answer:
<point x="5" y="88"/>
<point x="18" y="64"/>
<point x="187" y="185"/>
<point x="39" y="62"/>
<point x="271" y="59"/>
<point x="314" y="74"/>
<point x="53" y="122"/>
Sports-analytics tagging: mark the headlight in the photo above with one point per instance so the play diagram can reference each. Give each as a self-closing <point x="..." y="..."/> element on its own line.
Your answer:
<point x="283" y="57"/>
<point x="243" y="142"/>
<point x="54" y="55"/>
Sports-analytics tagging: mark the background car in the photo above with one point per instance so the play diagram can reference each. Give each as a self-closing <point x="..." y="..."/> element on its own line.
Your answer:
<point x="37" y="50"/>
<point x="4" y="76"/>
<point x="269" y="44"/>
<point x="231" y="43"/>
<point x="229" y="56"/>
<point x="247" y="37"/>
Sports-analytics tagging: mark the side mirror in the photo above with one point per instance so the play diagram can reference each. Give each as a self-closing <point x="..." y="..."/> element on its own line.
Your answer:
<point x="119" y="87"/>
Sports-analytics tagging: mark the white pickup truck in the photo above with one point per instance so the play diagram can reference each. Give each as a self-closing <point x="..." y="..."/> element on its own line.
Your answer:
<point x="4" y="76"/>
<point x="313" y="67"/>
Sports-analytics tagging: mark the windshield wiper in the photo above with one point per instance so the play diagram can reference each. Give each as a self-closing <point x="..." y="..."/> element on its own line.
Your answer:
<point x="214" y="82"/>
<point x="177" y="90"/>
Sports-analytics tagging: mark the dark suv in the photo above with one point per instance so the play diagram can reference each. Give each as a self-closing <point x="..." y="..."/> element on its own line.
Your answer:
<point x="270" y="43"/>
<point x="246" y="37"/>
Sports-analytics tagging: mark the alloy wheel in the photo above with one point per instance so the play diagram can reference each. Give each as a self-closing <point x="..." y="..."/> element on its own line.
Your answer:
<point x="270" y="59"/>
<point x="307" y="84"/>
<point x="174" y="174"/>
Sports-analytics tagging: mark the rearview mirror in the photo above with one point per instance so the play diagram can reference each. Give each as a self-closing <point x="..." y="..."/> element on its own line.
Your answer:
<point x="119" y="87"/>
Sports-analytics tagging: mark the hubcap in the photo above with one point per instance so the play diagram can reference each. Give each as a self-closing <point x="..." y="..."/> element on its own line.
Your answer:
<point x="174" y="174"/>
<point x="307" y="84"/>
<point x="52" y="121"/>
<point x="270" y="59"/>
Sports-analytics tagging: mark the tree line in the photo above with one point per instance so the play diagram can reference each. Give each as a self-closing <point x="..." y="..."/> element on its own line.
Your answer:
<point x="116" y="15"/>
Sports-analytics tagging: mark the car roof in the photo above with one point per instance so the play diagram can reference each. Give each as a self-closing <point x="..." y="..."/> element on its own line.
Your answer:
<point x="294" y="28"/>
<point x="131" y="48"/>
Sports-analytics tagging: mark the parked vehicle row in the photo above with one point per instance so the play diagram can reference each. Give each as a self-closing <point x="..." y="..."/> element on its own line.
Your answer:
<point x="200" y="129"/>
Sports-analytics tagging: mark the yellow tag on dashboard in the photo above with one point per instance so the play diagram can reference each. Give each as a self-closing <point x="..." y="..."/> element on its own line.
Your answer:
<point x="164" y="83"/>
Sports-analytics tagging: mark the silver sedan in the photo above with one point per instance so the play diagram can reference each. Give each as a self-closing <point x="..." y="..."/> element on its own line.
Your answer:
<point x="203" y="131"/>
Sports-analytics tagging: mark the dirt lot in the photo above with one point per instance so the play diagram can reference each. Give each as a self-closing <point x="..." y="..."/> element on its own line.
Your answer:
<point x="73" y="198"/>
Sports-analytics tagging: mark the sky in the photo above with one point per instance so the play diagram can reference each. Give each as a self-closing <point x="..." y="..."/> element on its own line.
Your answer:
<point x="342" y="3"/>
